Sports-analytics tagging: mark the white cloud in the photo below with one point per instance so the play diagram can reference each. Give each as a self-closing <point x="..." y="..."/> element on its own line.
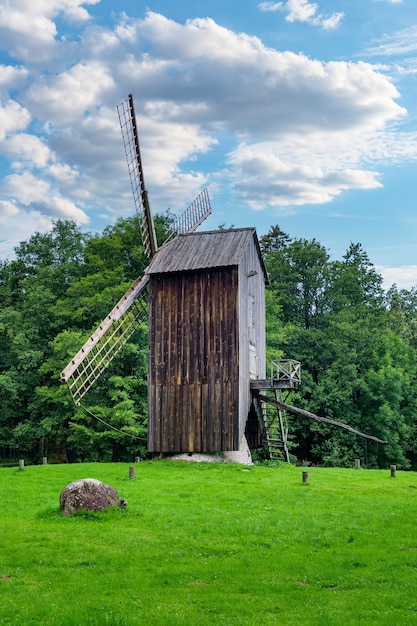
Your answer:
<point x="63" y="208"/>
<point x="235" y="82"/>
<point x="31" y="192"/>
<point x="270" y="6"/>
<point x="64" y="174"/>
<point x="53" y="8"/>
<point x="166" y="144"/>
<point x="13" y="117"/>
<point x="27" y="29"/>
<point x="25" y="149"/>
<point x="71" y="94"/>
<point x="300" y="10"/>
<point x="399" y="43"/>
<point x="8" y="209"/>
<point x="25" y="34"/>
<point x="194" y="85"/>
<point x="326" y="113"/>
<point x="10" y="78"/>
<point x="17" y="225"/>
<point x="25" y="188"/>
<point x="303" y="11"/>
<point x="333" y="21"/>
<point x="406" y="67"/>
<point x="405" y="276"/>
<point x="199" y="38"/>
<point x="269" y="174"/>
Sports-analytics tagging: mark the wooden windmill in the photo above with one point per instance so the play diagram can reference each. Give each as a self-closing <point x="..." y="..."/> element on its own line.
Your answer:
<point x="204" y="294"/>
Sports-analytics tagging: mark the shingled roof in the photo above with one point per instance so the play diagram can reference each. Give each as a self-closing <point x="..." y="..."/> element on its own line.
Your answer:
<point x="205" y="250"/>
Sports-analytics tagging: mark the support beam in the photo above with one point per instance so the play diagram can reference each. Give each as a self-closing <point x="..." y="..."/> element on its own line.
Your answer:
<point x="317" y="418"/>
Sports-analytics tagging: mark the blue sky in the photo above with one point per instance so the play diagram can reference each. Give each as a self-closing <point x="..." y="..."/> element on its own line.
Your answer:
<point x="296" y="113"/>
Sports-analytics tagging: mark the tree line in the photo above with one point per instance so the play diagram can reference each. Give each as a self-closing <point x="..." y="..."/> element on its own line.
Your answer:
<point x="357" y="345"/>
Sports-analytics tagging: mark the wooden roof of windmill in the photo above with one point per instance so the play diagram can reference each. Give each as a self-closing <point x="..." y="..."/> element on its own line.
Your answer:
<point x="195" y="251"/>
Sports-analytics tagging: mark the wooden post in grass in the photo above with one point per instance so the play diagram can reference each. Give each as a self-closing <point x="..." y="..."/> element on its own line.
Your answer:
<point x="305" y="478"/>
<point x="357" y="464"/>
<point x="131" y="472"/>
<point x="21" y="464"/>
<point x="393" y="471"/>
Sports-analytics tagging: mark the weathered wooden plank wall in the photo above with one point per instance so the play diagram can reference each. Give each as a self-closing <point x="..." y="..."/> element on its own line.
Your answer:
<point x="251" y="327"/>
<point x="194" y="362"/>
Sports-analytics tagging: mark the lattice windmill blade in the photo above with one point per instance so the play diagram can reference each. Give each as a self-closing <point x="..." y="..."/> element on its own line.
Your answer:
<point x="112" y="334"/>
<point x="109" y="338"/>
<point x="127" y="118"/>
<point x="193" y="216"/>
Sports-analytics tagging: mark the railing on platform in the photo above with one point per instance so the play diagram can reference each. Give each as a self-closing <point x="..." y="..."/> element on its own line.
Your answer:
<point x="286" y="370"/>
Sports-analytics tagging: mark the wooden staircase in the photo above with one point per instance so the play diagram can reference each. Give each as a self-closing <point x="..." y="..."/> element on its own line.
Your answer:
<point x="285" y="377"/>
<point x="276" y="430"/>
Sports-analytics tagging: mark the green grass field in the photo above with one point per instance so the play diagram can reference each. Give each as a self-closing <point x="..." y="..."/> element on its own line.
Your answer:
<point x="210" y="544"/>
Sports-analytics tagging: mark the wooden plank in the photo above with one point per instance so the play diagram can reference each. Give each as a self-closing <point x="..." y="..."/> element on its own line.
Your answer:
<point x="179" y="343"/>
<point x="198" y="418"/>
<point x="198" y="330"/>
<point x="205" y="399"/>
<point x="317" y="418"/>
<point x="184" y="410"/>
<point x="273" y="384"/>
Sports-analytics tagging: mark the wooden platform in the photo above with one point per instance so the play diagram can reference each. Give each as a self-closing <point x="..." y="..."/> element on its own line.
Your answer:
<point x="274" y="384"/>
<point x="285" y="374"/>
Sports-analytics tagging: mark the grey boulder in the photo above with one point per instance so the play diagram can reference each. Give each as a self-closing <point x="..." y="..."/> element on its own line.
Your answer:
<point x="87" y="494"/>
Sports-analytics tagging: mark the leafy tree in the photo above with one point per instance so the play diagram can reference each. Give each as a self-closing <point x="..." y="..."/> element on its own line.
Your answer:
<point x="355" y="369"/>
<point x="299" y="278"/>
<point x="274" y="240"/>
<point x="357" y="346"/>
<point x="355" y="284"/>
<point x="58" y="288"/>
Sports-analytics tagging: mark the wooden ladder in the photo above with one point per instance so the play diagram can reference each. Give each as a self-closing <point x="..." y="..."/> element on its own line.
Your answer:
<point x="274" y="425"/>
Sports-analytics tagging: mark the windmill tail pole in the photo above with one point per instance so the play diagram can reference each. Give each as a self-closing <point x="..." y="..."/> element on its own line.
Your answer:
<point x="293" y="409"/>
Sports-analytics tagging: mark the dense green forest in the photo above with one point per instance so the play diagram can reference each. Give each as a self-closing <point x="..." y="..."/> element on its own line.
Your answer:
<point x="357" y="345"/>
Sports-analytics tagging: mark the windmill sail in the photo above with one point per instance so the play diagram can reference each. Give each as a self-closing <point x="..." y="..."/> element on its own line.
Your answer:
<point x="127" y="118"/>
<point x="109" y="338"/>
<point x="193" y="216"/>
<point x="103" y="345"/>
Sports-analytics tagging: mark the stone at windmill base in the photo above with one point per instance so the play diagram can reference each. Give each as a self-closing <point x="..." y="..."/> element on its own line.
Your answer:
<point x="87" y="494"/>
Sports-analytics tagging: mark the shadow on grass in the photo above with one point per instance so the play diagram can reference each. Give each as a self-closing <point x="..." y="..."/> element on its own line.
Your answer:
<point x="110" y="514"/>
<point x="52" y="513"/>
